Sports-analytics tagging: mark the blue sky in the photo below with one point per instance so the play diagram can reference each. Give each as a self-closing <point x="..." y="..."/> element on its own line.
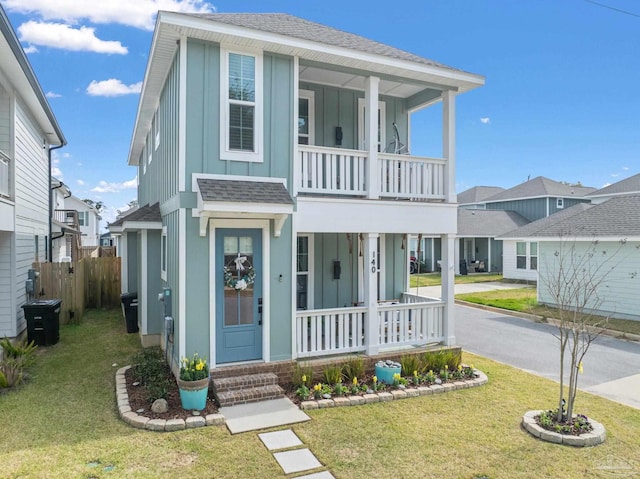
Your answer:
<point x="561" y="98"/>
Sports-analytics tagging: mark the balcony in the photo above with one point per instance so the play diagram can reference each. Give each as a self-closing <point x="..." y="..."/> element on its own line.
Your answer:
<point x="343" y="172"/>
<point x="4" y="175"/>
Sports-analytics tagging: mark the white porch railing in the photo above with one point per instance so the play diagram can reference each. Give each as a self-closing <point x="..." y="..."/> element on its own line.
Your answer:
<point x="330" y="331"/>
<point x="4" y="174"/>
<point x="337" y="171"/>
<point x="411" y="177"/>
<point x="417" y="320"/>
<point x="332" y="171"/>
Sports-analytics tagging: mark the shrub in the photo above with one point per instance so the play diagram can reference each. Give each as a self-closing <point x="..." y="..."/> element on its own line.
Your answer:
<point x="302" y="375"/>
<point x="437" y="360"/>
<point x="332" y="374"/>
<point x="410" y="363"/>
<point x="150" y="368"/>
<point x="17" y="357"/>
<point x="353" y="368"/>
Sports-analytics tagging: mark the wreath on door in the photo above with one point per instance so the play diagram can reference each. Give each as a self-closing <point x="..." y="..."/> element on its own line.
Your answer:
<point x="247" y="274"/>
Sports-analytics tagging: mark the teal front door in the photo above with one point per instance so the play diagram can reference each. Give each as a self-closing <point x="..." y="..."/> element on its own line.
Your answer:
<point x="238" y="295"/>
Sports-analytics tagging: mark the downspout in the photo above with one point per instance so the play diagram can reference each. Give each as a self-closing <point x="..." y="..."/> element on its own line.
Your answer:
<point x="50" y="245"/>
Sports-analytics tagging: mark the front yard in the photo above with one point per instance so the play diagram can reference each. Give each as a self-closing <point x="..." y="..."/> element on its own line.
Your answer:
<point x="435" y="279"/>
<point x="63" y="423"/>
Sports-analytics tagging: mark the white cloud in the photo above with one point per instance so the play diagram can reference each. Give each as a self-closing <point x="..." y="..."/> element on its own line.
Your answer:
<point x="65" y="37"/>
<point x="605" y="185"/>
<point x="134" y="13"/>
<point x="113" y="87"/>
<point x="485" y="120"/>
<point x="104" y="187"/>
<point x="56" y="172"/>
<point x="614" y="175"/>
<point x="51" y="94"/>
<point x="30" y="49"/>
<point x="625" y="168"/>
<point x="80" y="182"/>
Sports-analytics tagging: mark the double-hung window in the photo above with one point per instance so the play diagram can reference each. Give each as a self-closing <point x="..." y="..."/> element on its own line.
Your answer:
<point x="527" y="259"/>
<point x="521" y="255"/>
<point x="241" y="113"/>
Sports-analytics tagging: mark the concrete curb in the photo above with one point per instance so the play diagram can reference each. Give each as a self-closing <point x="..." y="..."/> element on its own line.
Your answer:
<point x="593" y="438"/>
<point x="160" y="425"/>
<point x="538" y="319"/>
<point x="396" y="394"/>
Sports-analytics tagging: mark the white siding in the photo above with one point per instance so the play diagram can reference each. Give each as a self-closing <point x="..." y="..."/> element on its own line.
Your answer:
<point x="620" y="288"/>
<point x="509" y="270"/>
<point x="7" y="321"/>
<point x="5" y="122"/>
<point x="91" y="232"/>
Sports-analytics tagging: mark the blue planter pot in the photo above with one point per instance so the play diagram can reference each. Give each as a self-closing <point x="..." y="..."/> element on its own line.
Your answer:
<point x="385" y="375"/>
<point x="193" y="394"/>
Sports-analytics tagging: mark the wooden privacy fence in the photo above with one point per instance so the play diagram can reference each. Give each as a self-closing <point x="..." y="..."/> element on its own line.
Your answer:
<point x="89" y="283"/>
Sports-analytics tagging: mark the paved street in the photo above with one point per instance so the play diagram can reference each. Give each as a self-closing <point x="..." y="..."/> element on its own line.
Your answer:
<point x="611" y="367"/>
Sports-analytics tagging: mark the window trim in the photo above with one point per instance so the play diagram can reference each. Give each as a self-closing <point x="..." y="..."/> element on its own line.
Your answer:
<point x="382" y="107"/>
<point x="226" y="153"/>
<point x="156" y="130"/>
<point x="310" y="96"/>
<point x="521" y="255"/>
<point x="527" y="255"/>
<point x="559" y="203"/>
<point x="164" y="254"/>
<point x="310" y="271"/>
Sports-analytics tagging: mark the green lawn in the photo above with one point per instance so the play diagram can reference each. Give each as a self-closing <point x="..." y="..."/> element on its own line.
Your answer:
<point x="64" y="424"/>
<point x="434" y="279"/>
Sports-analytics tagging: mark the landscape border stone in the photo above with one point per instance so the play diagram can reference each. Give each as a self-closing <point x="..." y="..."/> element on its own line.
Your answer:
<point x="593" y="438"/>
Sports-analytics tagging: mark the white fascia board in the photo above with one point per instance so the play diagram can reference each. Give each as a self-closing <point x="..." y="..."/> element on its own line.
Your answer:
<point x="300" y="46"/>
<point x="115" y="229"/>
<point x="141" y="225"/>
<point x="248" y="208"/>
<point x="320" y="215"/>
<point x="582" y="239"/>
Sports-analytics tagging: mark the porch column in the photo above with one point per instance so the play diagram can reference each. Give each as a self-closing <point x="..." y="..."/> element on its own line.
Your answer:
<point x="371" y="136"/>
<point x="448" y="278"/>
<point x="456" y="255"/>
<point x="449" y="144"/>
<point x="488" y="265"/>
<point x="371" y="292"/>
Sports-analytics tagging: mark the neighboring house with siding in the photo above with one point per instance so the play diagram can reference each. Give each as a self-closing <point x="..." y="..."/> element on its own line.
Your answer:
<point x="28" y="130"/>
<point x="627" y="186"/>
<point x="279" y="229"/>
<point x="610" y="231"/>
<point x="473" y="197"/>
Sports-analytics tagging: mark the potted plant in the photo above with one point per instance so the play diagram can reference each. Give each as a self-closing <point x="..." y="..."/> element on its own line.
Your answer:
<point x="193" y="383"/>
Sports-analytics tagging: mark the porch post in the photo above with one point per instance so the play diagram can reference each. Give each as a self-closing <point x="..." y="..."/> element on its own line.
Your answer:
<point x="487" y="266"/>
<point x="448" y="278"/>
<point x="456" y="255"/>
<point x="371" y="293"/>
<point x="371" y="136"/>
<point x="449" y="144"/>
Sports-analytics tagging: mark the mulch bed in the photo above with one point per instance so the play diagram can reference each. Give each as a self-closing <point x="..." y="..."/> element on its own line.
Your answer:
<point x="138" y="401"/>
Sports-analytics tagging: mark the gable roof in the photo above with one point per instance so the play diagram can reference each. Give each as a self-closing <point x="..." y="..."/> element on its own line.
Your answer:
<point x="488" y="223"/>
<point x="626" y="186"/>
<point x="144" y="214"/>
<point x="477" y="194"/>
<point x="540" y="187"/>
<point x="618" y="217"/>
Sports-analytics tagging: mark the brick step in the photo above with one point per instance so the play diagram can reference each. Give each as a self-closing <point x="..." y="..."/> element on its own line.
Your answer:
<point x="247" y="381"/>
<point x="247" y="395"/>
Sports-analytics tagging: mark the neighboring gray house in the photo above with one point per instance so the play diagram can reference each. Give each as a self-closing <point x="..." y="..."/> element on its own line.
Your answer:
<point x="28" y="129"/>
<point x="273" y="208"/>
<point x="628" y="186"/>
<point x="615" y="226"/>
<point x="473" y="197"/>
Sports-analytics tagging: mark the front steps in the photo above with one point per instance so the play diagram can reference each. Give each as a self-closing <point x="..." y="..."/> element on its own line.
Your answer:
<point x="230" y="391"/>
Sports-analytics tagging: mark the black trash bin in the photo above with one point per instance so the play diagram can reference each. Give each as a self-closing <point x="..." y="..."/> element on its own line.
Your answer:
<point x="130" y="311"/>
<point x="463" y="267"/>
<point x="43" y="321"/>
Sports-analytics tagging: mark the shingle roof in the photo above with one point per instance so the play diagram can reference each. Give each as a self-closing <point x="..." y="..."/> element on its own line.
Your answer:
<point x="239" y="191"/>
<point x="541" y="186"/>
<point x="618" y="217"/>
<point x="288" y="25"/>
<point x="478" y="193"/>
<point x="628" y="185"/>
<point x="488" y="223"/>
<point x="144" y="214"/>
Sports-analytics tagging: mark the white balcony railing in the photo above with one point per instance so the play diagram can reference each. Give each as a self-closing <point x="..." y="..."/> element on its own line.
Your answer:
<point x="4" y="174"/>
<point x="343" y="330"/>
<point x="337" y="171"/>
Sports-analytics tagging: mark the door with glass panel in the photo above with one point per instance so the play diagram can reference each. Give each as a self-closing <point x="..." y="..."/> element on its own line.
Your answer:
<point x="238" y="295"/>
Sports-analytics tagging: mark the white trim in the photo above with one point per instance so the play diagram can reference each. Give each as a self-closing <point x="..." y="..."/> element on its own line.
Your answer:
<point x="141" y="225"/>
<point x="156" y="130"/>
<point x="124" y="263"/>
<point x="310" y="96"/>
<point x="294" y="234"/>
<point x="143" y="296"/>
<point x="182" y="282"/>
<point x="559" y="203"/>
<point x="310" y="271"/>
<point x="382" y="267"/>
<point x="295" y="152"/>
<point x="226" y="153"/>
<point x="449" y="144"/>
<point x="164" y="256"/>
<point x="266" y="286"/>
<point x="382" y="107"/>
<point x="182" y="119"/>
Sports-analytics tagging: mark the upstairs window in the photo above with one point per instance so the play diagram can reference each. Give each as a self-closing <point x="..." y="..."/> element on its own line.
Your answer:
<point x="560" y="203"/>
<point x="241" y="112"/>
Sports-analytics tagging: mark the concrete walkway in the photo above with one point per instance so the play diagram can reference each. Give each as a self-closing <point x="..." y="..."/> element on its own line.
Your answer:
<point x="293" y="456"/>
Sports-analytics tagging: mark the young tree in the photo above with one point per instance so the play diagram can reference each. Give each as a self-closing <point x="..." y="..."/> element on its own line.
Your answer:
<point x="574" y="279"/>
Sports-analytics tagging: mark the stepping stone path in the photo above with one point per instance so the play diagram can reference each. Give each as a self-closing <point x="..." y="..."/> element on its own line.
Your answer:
<point x="293" y="460"/>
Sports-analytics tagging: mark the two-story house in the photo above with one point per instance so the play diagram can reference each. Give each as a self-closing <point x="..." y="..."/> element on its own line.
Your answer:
<point x="276" y="200"/>
<point x="28" y="133"/>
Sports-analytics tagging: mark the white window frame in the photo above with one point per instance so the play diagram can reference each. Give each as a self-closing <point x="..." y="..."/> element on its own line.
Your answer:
<point x="309" y="273"/>
<point x="164" y="255"/>
<point x="226" y="153"/>
<point x="559" y="203"/>
<point x="519" y="255"/>
<point x="531" y="255"/>
<point x="310" y="96"/>
<point x="362" y="143"/>
<point x="527" y="255"/>
<point x="156" y="130"/>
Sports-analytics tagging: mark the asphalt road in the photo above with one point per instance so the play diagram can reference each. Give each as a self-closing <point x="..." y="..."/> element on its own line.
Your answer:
<point x="611" y="367"/>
